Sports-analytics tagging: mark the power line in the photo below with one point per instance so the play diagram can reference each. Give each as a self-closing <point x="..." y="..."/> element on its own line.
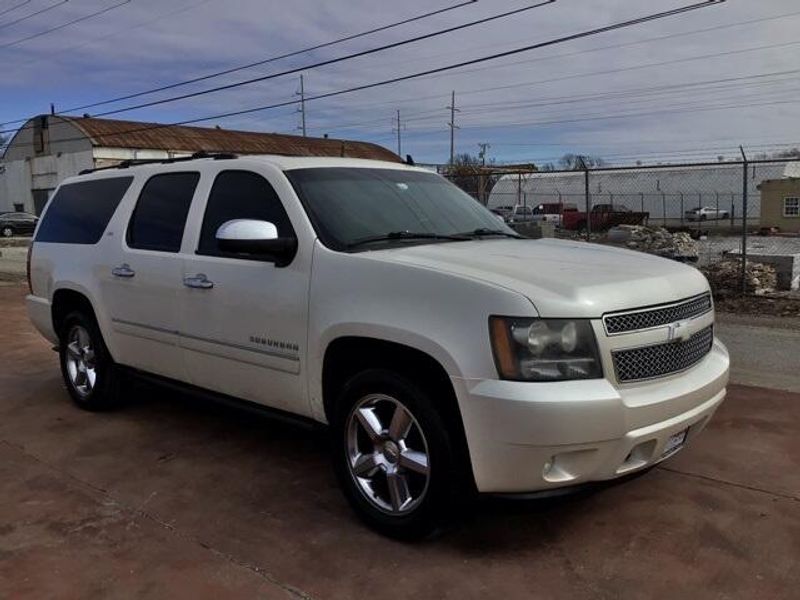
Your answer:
<point x="560" y="40"/>
<point x="264" y="61"/>
<point x="598" y="49"/>
<point x="610" y="47"/>
<point x="31" y="15"/>
<point x="622" y="69"/>
<point x="584" y="119"/>
<point x="694" y="87"/>
<point x="65" y="25"/>
<point x="331" y="61"/>
<point x="15" y="7"/>
<point x="65" y="50"/>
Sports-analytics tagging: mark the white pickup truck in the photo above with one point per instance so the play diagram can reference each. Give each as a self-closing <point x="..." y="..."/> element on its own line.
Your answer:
<point x="447" y="354"/>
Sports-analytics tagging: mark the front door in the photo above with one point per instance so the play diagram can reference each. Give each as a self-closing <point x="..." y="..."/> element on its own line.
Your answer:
<point x="145" y="277"/>
<point x="244" y="320"/>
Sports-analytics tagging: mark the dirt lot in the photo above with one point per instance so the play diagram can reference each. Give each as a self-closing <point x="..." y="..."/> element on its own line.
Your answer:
<point x="173" y="498"/>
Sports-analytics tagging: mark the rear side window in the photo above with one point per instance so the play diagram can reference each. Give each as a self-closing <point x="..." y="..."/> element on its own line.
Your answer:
<point x="160" y="215"/>
<point x="80" y="212"/>
<point x="240" y="195"/>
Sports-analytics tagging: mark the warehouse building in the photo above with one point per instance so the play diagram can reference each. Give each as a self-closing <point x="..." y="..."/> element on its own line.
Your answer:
<point x="664" y="192"/>
<point x="50" y="148"/>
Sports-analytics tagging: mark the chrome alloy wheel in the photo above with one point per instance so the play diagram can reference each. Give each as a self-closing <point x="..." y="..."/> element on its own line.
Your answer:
<point x="387" y="454"/>
<point x="80" y="360"/>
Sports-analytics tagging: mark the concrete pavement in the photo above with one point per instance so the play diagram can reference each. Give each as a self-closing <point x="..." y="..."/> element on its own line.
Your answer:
<point x="174" y="498"/>
<point x="764" y="351"/>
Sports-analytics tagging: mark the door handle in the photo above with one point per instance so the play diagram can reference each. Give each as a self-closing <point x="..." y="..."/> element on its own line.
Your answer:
<point x="123" y="270"/>
<point x="199" y="281"/>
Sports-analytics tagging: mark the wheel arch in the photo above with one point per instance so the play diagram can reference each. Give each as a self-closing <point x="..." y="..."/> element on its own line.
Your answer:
<point x="66" y="300"/>
<point x="347" y="355"/>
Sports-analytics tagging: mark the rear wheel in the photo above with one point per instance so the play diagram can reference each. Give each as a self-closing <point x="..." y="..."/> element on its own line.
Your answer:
<point x="86" y="366"/>
<point x="393" y="456"/>
<point x="7" y="231"/>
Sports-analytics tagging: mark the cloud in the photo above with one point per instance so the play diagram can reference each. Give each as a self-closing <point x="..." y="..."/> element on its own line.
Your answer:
<point x="569" y="89"/>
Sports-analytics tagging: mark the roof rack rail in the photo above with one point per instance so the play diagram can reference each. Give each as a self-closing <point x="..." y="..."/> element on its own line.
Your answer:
<point x="135" y="162"/>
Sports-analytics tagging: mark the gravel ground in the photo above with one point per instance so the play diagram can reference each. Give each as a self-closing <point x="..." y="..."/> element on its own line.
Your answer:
<point x="12" y="263"/>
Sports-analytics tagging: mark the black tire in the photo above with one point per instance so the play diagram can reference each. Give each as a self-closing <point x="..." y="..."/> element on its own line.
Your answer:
<point x="7" y="231"/>
<point x="443" y="496"/>
<point x="104" y="393"/>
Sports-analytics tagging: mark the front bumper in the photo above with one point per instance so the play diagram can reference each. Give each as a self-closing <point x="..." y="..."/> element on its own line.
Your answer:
<point x="526" y="437"/>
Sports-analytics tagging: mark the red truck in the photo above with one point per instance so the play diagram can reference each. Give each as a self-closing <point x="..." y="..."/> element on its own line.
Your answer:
<point x="602" y="217"/>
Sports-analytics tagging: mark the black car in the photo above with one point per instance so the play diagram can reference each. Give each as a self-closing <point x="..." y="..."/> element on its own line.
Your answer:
<point x="17" y="223"/>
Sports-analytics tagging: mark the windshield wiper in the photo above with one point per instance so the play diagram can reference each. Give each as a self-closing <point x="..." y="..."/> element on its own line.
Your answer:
<point x="406" y="235"/>
<point x="483" y="231"/>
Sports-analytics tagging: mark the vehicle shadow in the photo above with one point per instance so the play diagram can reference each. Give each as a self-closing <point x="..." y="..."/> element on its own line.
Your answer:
<point x="487" y="524"/>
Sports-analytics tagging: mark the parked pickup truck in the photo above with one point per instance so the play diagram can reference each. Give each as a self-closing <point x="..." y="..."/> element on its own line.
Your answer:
<point x="603" y="217"/>
<point x="552" y="212"/>
<point x="448" y="355"/>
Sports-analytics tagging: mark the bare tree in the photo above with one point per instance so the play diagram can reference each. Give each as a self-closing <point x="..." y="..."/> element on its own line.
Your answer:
<point x="575" y="162"/>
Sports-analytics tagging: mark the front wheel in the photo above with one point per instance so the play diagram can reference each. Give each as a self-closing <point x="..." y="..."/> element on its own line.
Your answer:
<point x="393" y="456"/>
<point x="8" y="231"/>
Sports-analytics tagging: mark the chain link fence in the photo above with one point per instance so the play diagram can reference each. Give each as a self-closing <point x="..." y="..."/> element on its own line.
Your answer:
<point x="703" y="213"/>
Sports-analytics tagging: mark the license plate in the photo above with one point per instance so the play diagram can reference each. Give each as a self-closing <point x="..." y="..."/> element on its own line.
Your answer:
<point x="675" y="442"/>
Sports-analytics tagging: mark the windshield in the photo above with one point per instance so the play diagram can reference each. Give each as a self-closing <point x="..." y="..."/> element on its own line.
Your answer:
<point x="349" y="205"/>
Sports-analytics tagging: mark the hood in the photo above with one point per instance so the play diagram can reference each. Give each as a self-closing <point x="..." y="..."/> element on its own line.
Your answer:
<point x="561" y="278"/>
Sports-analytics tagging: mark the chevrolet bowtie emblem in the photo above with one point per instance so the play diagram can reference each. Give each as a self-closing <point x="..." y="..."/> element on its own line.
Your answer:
<point x="678" y="330"/>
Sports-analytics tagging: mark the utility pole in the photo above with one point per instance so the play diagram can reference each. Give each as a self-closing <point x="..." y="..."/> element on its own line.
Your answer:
<point x="744" y="220"/>
<point x="398" y="128"/>
<point x="452" y="125"/>
<point x="482" y="154"/>
<point x="302" y="109"/>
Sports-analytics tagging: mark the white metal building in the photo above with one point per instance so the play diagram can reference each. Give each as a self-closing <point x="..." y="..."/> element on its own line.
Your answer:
<point x="49" y="148"/>
<point x="664" y="192"/>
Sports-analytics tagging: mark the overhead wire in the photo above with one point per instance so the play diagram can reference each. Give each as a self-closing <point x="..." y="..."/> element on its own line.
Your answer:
<point x="33" y="14"/>
<point x="583" y="34"/>
<point x="318" y="64"/>
<point x="64" y="51"/>
<point x="394" y="102"/>
<point x="271" y="59"/>
<point x="65" y="25"/>
<point x="14" y="7"/>
<point x="265" y="61"/>
<point x="633" y="93"/>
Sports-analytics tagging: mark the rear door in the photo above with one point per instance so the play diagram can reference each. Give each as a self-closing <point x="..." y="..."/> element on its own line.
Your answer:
<point x="143" y="281"/>
<point x="244" y="330"/>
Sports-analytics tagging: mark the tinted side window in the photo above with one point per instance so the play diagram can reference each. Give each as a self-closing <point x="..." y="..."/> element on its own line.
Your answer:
<point x="160" y="215"/>
<point x="240" y="195"/>
<point x="79" y="212"/>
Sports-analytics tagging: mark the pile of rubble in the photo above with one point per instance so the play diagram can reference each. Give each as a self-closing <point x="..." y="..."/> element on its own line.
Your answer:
<point x="656" y="240"/>
<point x="725" y="278"/>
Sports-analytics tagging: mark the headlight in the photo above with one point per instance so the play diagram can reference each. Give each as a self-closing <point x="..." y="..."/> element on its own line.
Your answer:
<point x="544" y="349"/>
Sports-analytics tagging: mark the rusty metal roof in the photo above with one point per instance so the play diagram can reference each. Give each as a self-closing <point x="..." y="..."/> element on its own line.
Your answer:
<point x="111" y="133"/>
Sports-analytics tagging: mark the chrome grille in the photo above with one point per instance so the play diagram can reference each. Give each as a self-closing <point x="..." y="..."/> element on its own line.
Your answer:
<point x="655" y="317"/>
<point x="649" y="362"/>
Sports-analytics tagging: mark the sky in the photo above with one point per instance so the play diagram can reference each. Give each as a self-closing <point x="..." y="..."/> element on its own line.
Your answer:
<point x="688" y="87"/>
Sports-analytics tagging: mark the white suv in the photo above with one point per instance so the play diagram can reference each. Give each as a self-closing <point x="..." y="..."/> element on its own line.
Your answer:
<point x="447" y="354"/>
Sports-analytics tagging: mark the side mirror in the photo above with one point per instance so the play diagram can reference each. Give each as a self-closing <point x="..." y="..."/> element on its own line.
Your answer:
<point x="257" y="240"/>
